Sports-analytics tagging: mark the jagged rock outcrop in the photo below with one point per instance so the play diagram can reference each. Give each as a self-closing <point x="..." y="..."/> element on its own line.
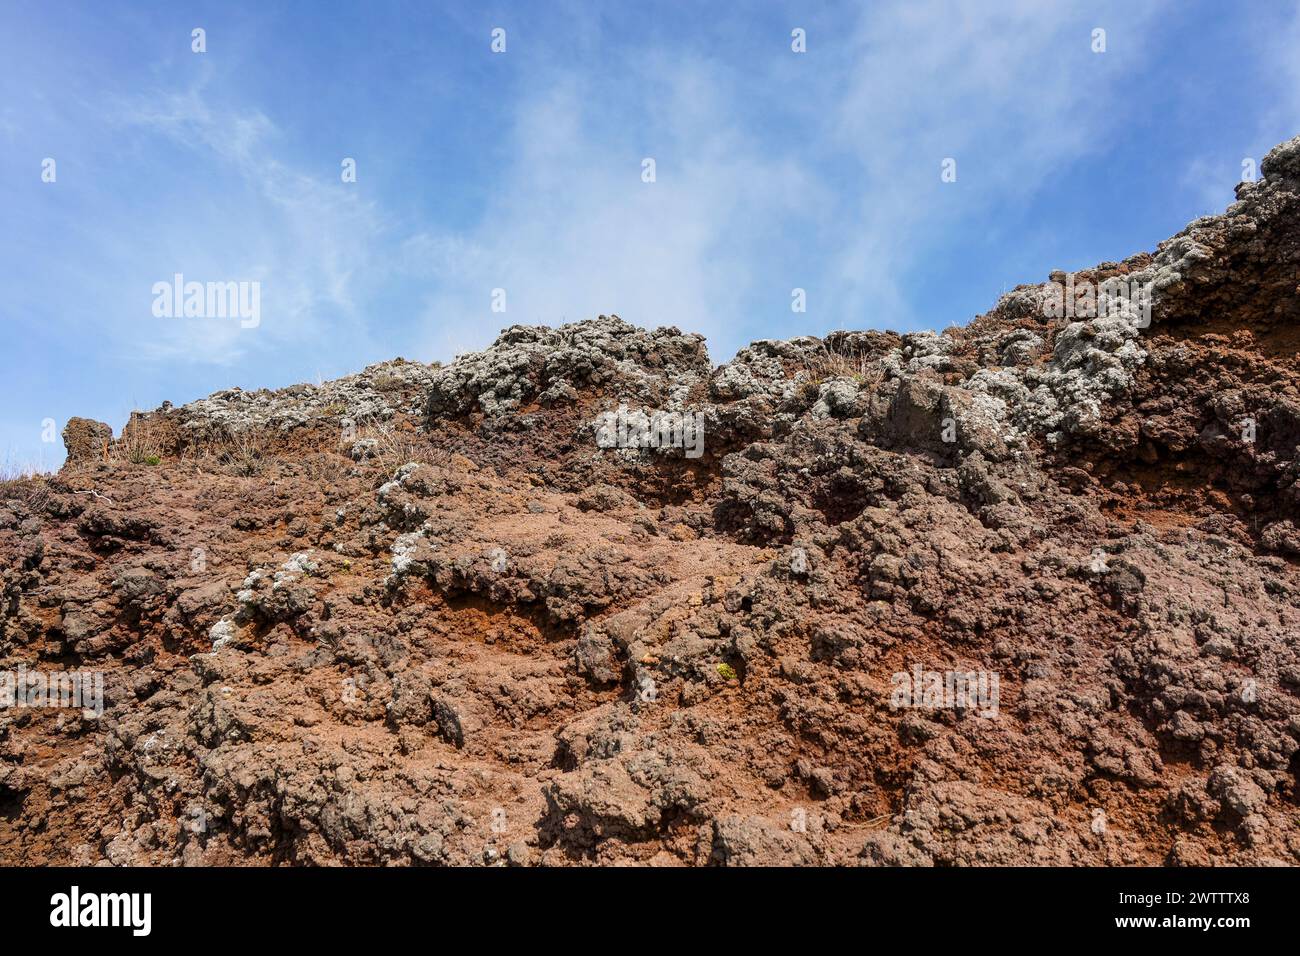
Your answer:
<point x="86" y="439"/>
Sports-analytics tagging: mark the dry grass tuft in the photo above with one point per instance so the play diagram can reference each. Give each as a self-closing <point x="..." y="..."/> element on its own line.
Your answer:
<point x="142" y="442"/>
<point x="395" y="446"/>
<point x="831" y="362"/>
<point x="24" y="485"/>
<point x="243" y="454"/>
<point x="388" y="382"/>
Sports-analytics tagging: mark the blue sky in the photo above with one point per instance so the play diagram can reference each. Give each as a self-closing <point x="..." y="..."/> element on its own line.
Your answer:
<point x="523" y="171"/>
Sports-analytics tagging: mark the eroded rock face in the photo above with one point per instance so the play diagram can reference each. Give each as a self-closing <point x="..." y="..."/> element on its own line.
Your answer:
<point x="1025" y="591"/>
<point x="86" y="440"/>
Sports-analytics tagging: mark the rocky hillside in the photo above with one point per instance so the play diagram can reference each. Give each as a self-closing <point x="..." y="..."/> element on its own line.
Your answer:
<point x="1026" y="591"/>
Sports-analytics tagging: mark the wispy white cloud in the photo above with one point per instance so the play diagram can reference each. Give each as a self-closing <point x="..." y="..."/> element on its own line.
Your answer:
<point x="1013" y="92"/>
<point x="306" y="238"/>
<point x="574" y="231"/>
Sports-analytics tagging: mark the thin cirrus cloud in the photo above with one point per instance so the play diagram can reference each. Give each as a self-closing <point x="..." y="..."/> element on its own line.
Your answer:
<point x="574" y="230"/>
<point x="301" y="237"/>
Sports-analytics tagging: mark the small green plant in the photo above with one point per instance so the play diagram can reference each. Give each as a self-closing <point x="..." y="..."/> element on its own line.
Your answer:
<point x="141" y="442"/>
<point x="727" y="671"/>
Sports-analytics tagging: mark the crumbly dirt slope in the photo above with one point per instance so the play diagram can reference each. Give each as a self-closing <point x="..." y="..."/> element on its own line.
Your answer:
<point x="427" y="615"/>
